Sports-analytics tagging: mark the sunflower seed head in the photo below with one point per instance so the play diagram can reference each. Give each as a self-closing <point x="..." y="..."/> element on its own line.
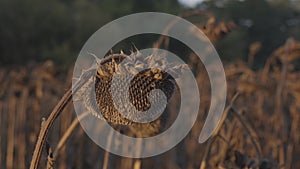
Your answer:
<point x="148" y="73"/>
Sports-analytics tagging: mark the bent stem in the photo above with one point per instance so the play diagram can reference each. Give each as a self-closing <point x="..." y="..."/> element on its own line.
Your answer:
<point x="46" y="125"/>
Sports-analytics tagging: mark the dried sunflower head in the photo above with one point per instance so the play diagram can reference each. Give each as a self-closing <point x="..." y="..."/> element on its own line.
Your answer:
<point x="145" y="74"/>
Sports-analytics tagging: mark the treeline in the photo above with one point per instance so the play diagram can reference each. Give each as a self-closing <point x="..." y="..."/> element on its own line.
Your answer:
<point x="39" y="30"/>
<point x="57" y="29"/>
<point x="263" y="22"/>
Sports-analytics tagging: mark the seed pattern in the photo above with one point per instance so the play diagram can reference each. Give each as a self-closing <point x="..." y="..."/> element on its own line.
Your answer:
<point x="139" y="90"/>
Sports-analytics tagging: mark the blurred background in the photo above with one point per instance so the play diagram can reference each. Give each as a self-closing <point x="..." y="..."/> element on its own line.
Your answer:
<point x="257" y="40"/>
<point x="36" y="31"/>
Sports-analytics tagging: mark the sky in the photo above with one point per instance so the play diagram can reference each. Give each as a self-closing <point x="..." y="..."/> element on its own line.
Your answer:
<point x="190" y="3"/>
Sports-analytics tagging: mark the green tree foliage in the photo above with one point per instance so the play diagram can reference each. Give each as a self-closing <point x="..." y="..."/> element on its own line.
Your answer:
<point x="57" y="29"/>
<point x="271" y="23"/>
<point x="38" y="30"/>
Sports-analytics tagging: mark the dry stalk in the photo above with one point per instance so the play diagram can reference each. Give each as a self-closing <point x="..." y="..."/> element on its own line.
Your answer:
<point x="253" y="49"/>
<point x="50" y="159"/>
<point x="289" y="156"/>
<point x="280" y="91"/>
<point x="281" y="155"/>
<point x="206" y="152"/>
<point x="250" y="131"/>
<point x="67" y="134"/>
<point x="22" y="123"/>
<point x="138" y="162"/>
<point x="11" y="132"/>
<point x="46" y="125"/>
<point x="216" y="132"/>
<point x="163" y="38"/>
<point x="106" y="155"/>
<point x="1" y="113"/>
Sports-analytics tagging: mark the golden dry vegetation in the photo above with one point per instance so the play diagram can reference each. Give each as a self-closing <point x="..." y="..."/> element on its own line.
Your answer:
<point x="260" y="127"/>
